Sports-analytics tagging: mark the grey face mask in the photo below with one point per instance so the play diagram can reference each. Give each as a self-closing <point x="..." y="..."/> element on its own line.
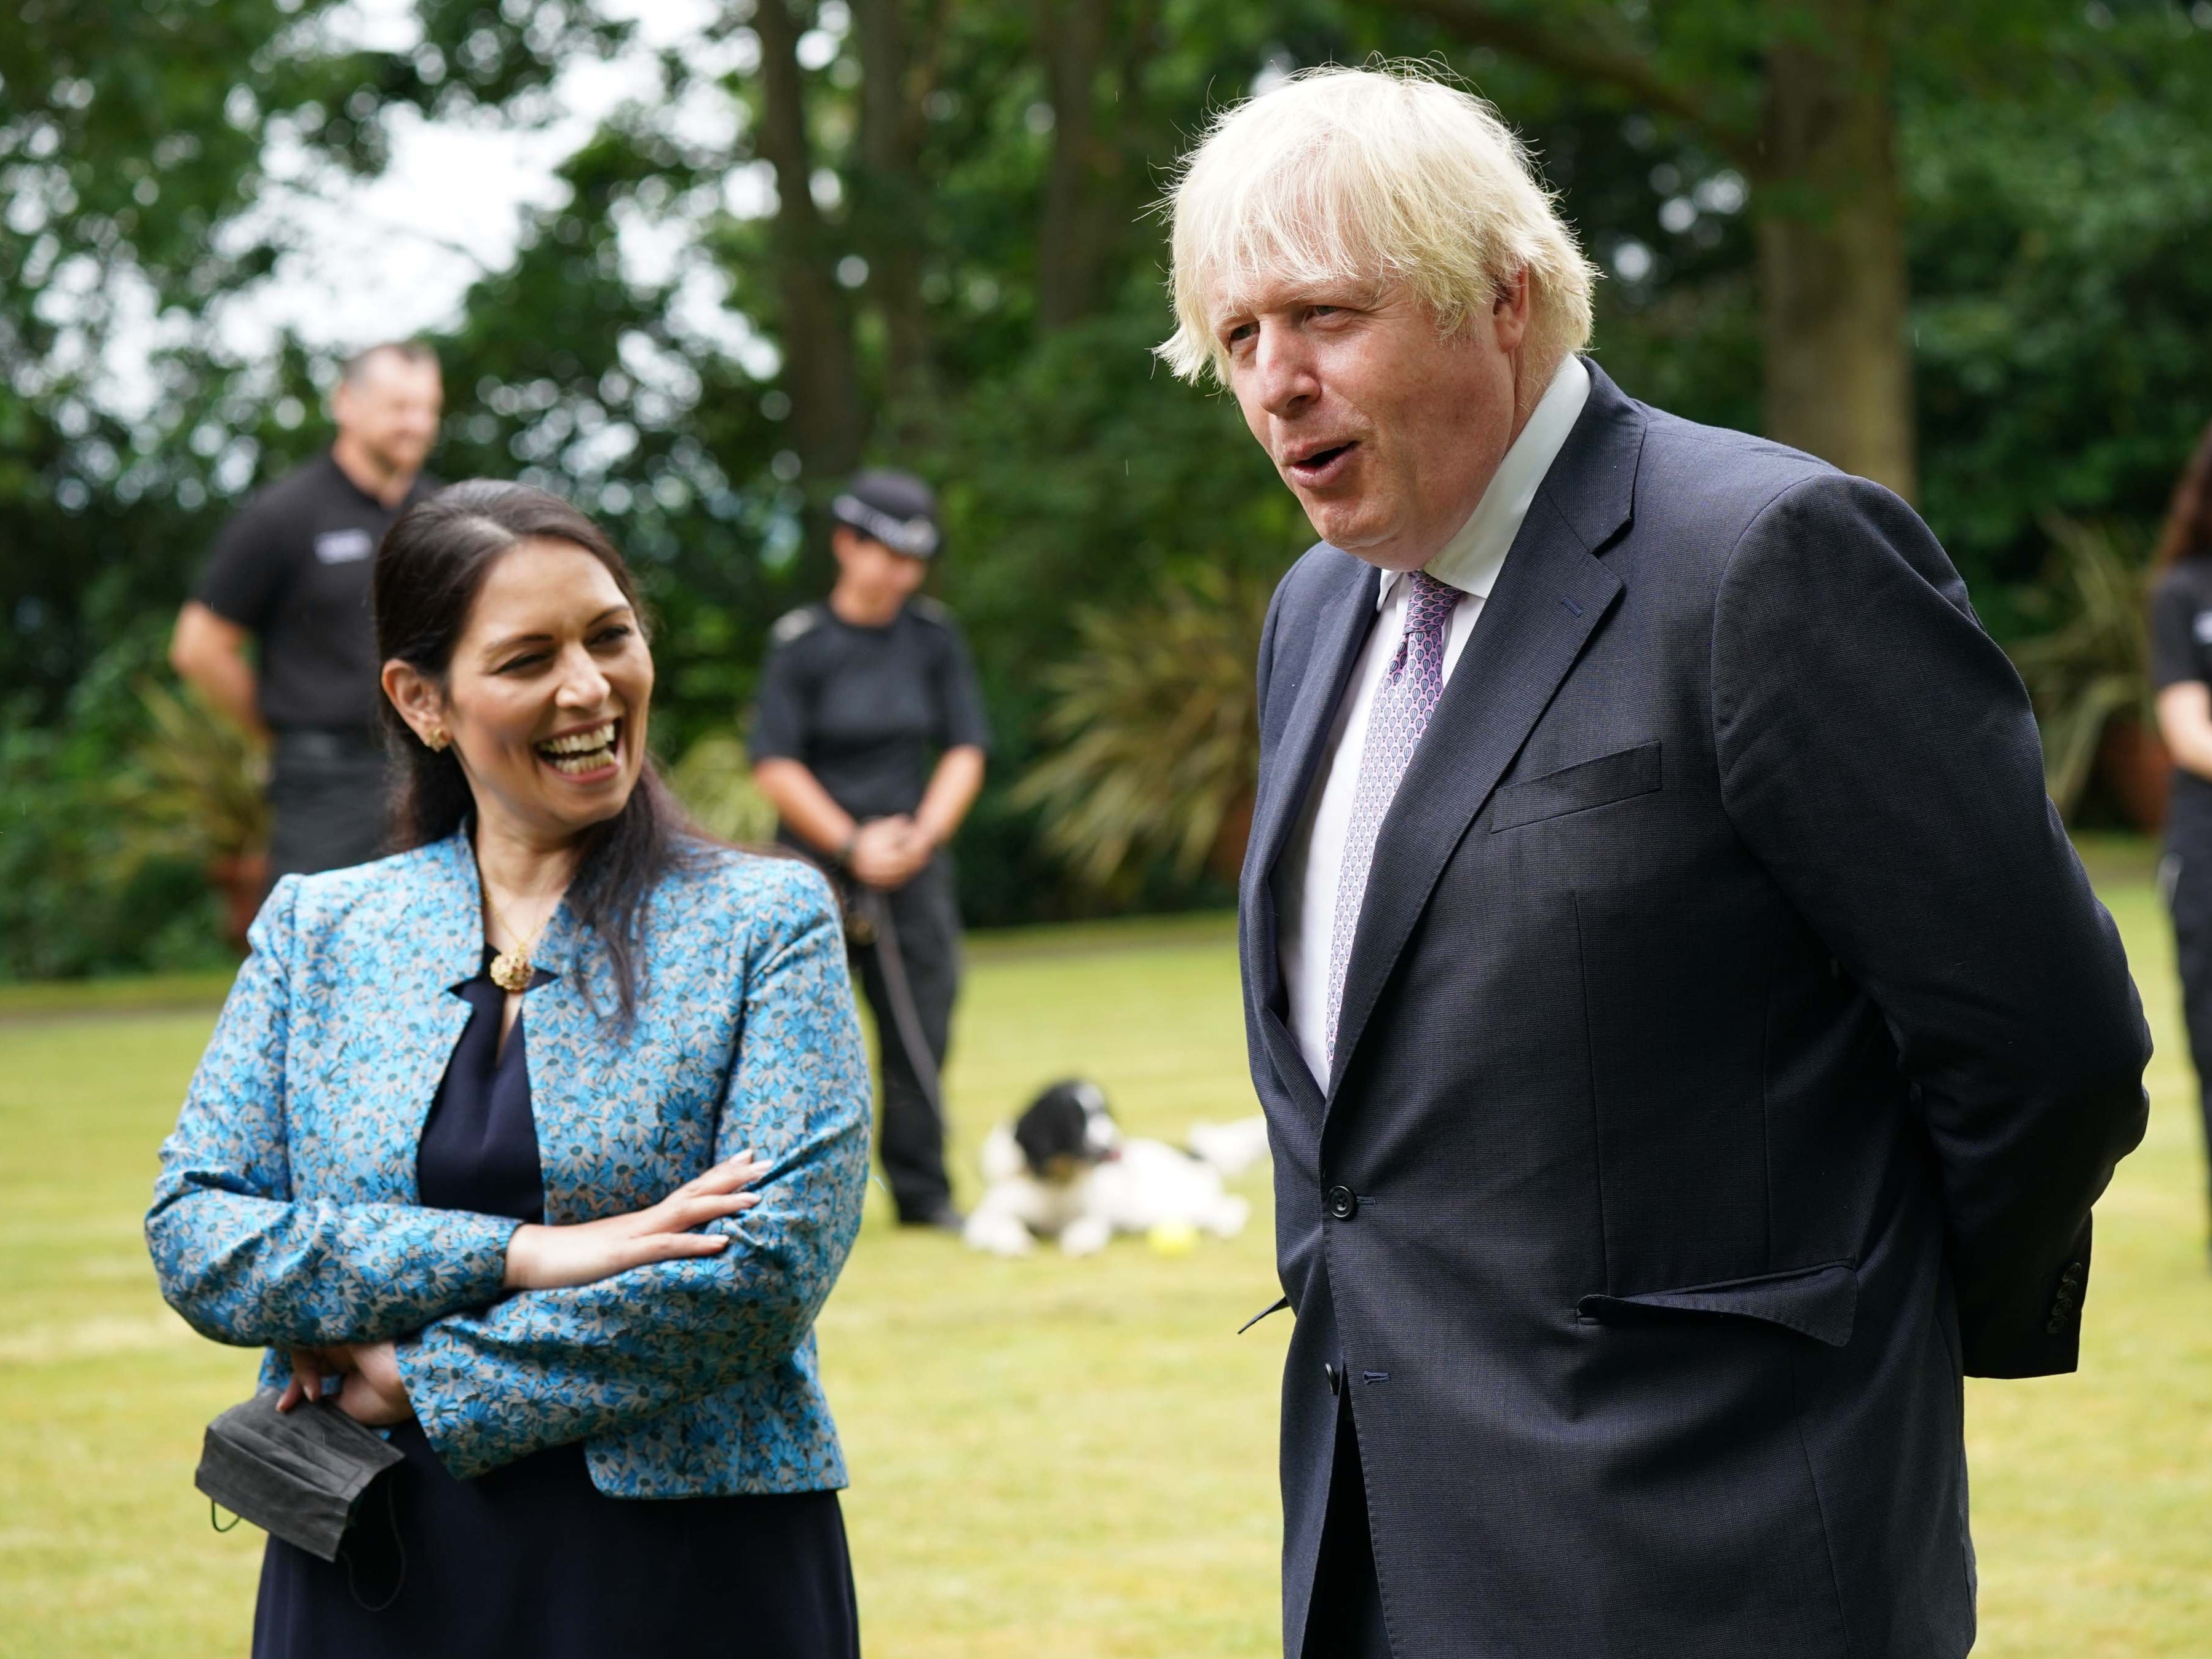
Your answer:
<point x="296" y="1474"/>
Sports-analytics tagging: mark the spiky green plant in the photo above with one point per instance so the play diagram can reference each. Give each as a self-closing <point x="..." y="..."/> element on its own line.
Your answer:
<point x="1156" y="734"/>
<point x="714" y="781"/>
<point x="192" y="789"/>
<point x="2096" y="664"/>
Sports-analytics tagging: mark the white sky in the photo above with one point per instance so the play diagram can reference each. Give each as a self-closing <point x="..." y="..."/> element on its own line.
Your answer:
<point x="395" y="255"/>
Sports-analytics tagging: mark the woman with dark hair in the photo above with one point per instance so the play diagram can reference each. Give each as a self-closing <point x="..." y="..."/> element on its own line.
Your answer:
<point x="540" y="1143"/>
<point x="2181" y="674"/>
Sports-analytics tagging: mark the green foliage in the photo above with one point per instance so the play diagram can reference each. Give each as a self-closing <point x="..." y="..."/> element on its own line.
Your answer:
<point x="2058" y="254"/>
<point x="1156" y="731"/>
<point x="135" y="141"/>
<point x="2054" y="167"/>
<point x="2096" y="663"/>
<point x="74" y="897"/>
<point x="714" y="781"/>
<point x="193" y="791"/>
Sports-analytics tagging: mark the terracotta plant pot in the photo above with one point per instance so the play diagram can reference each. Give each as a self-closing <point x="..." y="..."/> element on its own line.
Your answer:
<point x="243" y="882"/>
<point x="2135" y="764"/>
<point x="1227" y="858"/>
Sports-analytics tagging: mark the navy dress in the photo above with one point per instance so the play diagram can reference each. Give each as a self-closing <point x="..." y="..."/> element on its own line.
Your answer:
<point x="531" y="1558"/>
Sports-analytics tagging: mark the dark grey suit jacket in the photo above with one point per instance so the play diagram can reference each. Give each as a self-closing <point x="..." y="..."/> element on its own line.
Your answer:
<point x="1731" y="1051"/>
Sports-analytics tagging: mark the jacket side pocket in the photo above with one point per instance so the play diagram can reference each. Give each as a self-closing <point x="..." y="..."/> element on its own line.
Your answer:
<point x="1821" y="1303"/>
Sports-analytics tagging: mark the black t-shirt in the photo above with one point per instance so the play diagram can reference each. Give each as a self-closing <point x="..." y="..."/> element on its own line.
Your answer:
<point x="293" y="565"/>
<point x="2180" y="650"/>
<point x="864" y="709"/>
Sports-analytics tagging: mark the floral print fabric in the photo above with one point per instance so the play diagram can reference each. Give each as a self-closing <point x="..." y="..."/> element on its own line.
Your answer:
<point x="286" y="1210"/>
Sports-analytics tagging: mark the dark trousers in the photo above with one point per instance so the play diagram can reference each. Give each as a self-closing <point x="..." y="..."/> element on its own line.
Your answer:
<point x="2186" y="876"/>
<point x="926" y="921"/>
<point x="328" y="799"/>
<point x="1345" y="1621"/>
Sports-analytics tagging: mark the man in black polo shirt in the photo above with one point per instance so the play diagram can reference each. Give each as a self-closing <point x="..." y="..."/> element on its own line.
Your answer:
<point x="291" y="572"/>
<point x="857" y="696"/>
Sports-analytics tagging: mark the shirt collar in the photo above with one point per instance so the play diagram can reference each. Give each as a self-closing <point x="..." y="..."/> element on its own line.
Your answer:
<point x="1471" y="560"/>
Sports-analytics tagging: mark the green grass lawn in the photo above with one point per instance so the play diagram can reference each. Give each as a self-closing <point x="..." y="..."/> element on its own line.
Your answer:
<point x="1050" y="1459"/>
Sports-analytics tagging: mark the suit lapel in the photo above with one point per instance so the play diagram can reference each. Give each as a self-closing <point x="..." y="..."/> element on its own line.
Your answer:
<point x="1550" y="596"/>
<point x="1346" y="616"/>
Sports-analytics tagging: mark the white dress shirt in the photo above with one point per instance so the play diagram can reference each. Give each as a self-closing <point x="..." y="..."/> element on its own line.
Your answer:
<point x="1306" y="879"/>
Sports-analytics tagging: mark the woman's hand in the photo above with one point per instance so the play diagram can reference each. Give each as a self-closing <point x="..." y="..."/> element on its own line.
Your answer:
<point x="540" y="1258"/>
<point x="372" y="1390"/>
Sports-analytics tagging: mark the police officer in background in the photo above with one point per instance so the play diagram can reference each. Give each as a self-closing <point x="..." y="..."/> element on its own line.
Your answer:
<point x="857" y="694"/>
<point x="290" y="572"/>
<point x="2181" y="674"/>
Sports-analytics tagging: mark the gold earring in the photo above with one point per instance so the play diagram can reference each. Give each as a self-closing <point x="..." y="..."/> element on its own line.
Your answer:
<point x="435" y="739"/>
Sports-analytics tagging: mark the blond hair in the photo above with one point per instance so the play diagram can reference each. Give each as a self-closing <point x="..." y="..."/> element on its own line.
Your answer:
<point x="1384" y="175"/>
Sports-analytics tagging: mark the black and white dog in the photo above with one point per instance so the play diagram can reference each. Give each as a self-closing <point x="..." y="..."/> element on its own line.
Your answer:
<point x="1063" y="1170"/>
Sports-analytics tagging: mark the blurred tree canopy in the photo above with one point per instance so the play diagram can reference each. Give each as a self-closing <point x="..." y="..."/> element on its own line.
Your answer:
<point x="1955" y="245"/>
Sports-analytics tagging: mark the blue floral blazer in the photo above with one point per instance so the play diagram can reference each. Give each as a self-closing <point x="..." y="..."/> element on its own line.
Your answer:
<point x="286" y="1210"/>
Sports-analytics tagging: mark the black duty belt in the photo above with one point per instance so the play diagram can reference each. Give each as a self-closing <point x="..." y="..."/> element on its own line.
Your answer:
<point x="310" y="743"/>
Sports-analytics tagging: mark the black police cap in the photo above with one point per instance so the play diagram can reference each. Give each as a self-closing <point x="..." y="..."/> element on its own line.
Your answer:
<point x="895" y="508"/>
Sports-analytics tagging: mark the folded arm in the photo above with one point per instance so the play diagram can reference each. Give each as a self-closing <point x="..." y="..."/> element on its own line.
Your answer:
<point x="547" y="1367"/>
<point x="1879" y="756"/>
<point x="241" y="1258"/>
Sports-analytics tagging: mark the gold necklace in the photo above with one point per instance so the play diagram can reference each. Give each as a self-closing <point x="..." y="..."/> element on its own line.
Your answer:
<point x="510" y="970"/>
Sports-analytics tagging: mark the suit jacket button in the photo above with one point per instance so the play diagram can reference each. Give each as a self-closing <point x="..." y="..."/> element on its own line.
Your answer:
<point x="2054" y="1328"/>
<point x="1335" y="1377"/>
<point x="1343" y="1203"/>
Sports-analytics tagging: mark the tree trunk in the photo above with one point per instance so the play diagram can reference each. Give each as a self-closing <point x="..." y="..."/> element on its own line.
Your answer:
<point x="887" y="206"/>
<point x="821" y="373"/>
<point x="1830" y="232"/>
<point x="1832" y="274"/>
<point x="1084" y="190"/>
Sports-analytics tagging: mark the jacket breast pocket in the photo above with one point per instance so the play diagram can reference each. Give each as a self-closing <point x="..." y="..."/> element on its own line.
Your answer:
<point x="1621" y="775"/>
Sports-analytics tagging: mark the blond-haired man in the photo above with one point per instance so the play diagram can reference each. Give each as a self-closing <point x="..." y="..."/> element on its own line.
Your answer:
<point x="1687" y="1038"/>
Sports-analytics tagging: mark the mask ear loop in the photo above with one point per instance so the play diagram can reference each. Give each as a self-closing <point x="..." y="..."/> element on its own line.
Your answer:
<point x="399" y="1548"/>
<point x="218" y="1525"/>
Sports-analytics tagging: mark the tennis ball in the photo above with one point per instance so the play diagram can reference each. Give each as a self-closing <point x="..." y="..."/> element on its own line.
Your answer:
<point x="1172" y="1239"/>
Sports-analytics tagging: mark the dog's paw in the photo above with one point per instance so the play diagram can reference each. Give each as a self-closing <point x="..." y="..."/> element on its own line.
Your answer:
<point x="1086" y="1235"/>
<point x="1226" y="1217"/>
<point x="1230" y="1148"/>
<point x="997" y="1235"/>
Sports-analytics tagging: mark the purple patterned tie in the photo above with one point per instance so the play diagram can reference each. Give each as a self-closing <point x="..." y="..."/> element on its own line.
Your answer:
<point x="1403" y="703"/>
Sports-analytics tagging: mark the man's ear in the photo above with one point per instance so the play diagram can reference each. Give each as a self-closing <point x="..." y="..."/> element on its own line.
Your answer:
<point x="1509" y="311"/>
<point x="419" y="699"/>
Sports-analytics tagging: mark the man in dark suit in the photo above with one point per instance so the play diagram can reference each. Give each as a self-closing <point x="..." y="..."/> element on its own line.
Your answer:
<point x="1688" y="1040"/>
